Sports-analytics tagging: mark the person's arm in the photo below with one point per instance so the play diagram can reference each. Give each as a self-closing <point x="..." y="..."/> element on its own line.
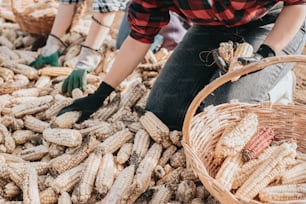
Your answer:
<point x="286" y="26"/>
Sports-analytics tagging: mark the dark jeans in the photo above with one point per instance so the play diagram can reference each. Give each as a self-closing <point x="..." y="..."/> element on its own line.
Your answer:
<point x="185" y="74"/>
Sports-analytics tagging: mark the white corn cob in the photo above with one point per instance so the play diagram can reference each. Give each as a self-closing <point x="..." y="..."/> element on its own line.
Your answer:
<point x="133" y="92"/>
<point x="155" y="127"/>
<point x="11" y="190"/>
<point x="140" y="146"/>
<point x="56" y="150"/>
<point x="108" y="110"/>
<point x="43" y="82"/>
<point x="100" y="131"/>
<point x="186" y="191"/>
<point x="10" y="158"/>
<point x="178" y="159"/>
<point x="159" y="171"/>
<point x="233" y="141"/>
<point x="48" y="196"/>
<point x="229" y="168"/>
<point x="26" y="92"/>
<point x="167" y="155"/>
<point x="173" y="177"/>
<point x="188" y="174"/>
<point x="124" y="114"/>
<point x="301" y="156"/>
<point x="283" y="193"/>
<point x="124" y="153"/>
<point x="23" y="69"/>
<point x="35" y="124"/>
<point x="31" y="108"/>
<point x="134" y="127"/>
<point x="57" y="106"/>
<point x="20" y="81"/>
<point x="40" y="167"/>
<point x="295" y="174"/>
<point x="176" y="137"/>
<point x="106" y="175"/>
<point x="88" y="176"/>
<point x="66" y="120"/>
<point x="6" y="74"/>
<point x="34" y="153"/>
<point x="67" y="180"/>
<point x="120" y="185"/>
<point x="30" y="187"/>
<point x="64" y="198"/>
<point x="6" y="43"/>
<point x="162" y="194"/>
<point x="65" y="137"/>
<point x="114" y="142"/>
<point x="22" y="136"/>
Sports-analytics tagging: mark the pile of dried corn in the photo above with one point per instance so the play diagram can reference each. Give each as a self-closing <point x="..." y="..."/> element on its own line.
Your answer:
<point x="122" y="154"/>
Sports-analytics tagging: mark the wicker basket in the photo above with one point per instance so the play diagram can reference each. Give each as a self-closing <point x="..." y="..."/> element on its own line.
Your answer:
<point x="28" y="23"/>
<point x="202" y="131"/>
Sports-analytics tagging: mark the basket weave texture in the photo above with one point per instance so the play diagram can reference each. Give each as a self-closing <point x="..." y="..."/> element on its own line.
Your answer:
<point x="34" y="24"/>
<point x="202" y="131"/>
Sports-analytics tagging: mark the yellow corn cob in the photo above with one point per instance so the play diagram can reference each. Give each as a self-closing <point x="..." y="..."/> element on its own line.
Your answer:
<point x="30" y="108"/>
<point x="88" y="176"/>
<point x="6" y="74"/>
<point x="11" y="190"/>
<point x="108" y="110"/>
<point x="65" y="137"/>
<point x="178" y="159"/>
<point x="132" y="93"/>
<point x="249" y="167"/>
<point x="106" y="175"/>
<point x="243" y="50"/>
<point x="30" y="187"/>
<point x="34" y="153"/>
<point x="283" y="193"/>
<point x="40" y="167"/>
<point x="167" y="155"/>
<point x="22" y="136"/>
<point x="35" y="124"/>
<point x="120" y="185"/>
<point x="140" y="146"/>
<point x="233" y="141"/>
<point x="57" y="106"/>
<point x="162" y="194"/>
<point x="124" y="153"/>
<point x="294" y="175"/>
<point x="23" y="69"/>
<point x="48" y="196"/>
<point x="114" y="142"/>
<point x="173" y="177"/>
<point x="66" y="120"/>
<point x="56" y="150"/>
<point x="264" y="170"/>
<point x="73" y="158"/>
<point x="176" y="137"/>
<point x="64" y="198"/>
<point x="67" y="180"/>
<point x="186" y="191"/>
<point x="20" y="81"/>
<point x="229" y="167"/>
<point x="155" y="127"/>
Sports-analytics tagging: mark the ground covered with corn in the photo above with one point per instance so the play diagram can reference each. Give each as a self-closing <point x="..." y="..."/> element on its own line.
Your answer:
<point x="122" y="154"/>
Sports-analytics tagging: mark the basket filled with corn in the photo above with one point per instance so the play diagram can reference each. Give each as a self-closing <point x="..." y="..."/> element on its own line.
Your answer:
<point x="248" y="153"/>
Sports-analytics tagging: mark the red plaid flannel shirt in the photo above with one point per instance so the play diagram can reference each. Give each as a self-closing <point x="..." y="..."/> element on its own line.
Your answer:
<point x="148" y="16"/>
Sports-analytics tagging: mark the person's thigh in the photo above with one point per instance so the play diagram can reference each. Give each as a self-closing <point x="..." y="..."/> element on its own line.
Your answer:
<point x="184" y="75"/>
<point x="255" y="87"/>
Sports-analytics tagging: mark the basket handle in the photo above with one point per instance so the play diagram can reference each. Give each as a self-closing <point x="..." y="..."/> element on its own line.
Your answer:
<point x="228" y="77"/>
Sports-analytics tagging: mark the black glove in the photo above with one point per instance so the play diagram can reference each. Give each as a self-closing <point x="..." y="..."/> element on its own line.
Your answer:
<point x="262" y="52"/>
<point x="89" y="104"/>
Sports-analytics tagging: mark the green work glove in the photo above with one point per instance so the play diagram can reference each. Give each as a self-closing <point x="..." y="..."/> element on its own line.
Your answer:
<point x="88" y="60"/>
<point x="41" y="61"/>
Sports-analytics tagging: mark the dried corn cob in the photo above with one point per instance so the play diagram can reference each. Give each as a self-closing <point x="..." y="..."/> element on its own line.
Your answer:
<point x="108" y="110"/>
<point x="56" y="150"/>
<point x="10" y="158"/>
<point x="22" y="136"/>
<point x="229" y="167"/>
<point x="69" y="160"/>
<point x="66" y="120"/>
<point x="26" y="92"/>
<point x="101" y="131"/>
<point x="6" y="42"/>
<point x="140" y="147"/>
<point x="42" y="82"/>
<point x="133" y="92"/>
<point x="178" y="159"/>
<point x="6" y="74"/>
<point x="20" y="81"/>
<point x="162" y="194"/>
<point x="176" y="138"/>
<point x="67" y="180"/>
<point x="25" y="70"/>
<point x="263" y="171"/>
<point x="30" y="187"/>
<point x="64" y="198"/>
<point x="34" y="153"/>
<point x="186" y="191"/>
<point x="114" y="142"/>
<point x="40" y="167"/>
<point x="134" y="127"/>
<point x="173" y="177"/>
<point x="106" y="175"/>
<point x="167" y="155"/>
<point x="233" y="141"/>
<point x="65" y="137"/>
<point x="77" y="93"/>
<point x="283" y="193"/>
<point x="155" y="127"/>
<point x="159" y="171"/>
<point x="57" y="106"/>
<point x="30" y="108"/>
<point x="188" y="174"/>
<point x="48" y="196"/>
<point x="300" y="156"/>
<point x="35" y="124"/>
<point x="88" y="176"/>
<point x="249" y="167"/>
<point x="11" y="190"/>
<point x="120" y="185"/>
<point x="294" y="175"/>
<point x="124" y="114"/>
<point x="124" y="153"/>
<point x="257" y="144"/>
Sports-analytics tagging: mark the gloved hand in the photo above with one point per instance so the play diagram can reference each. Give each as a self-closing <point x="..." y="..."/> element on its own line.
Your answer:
<point x="50" y="53"/>
<point x="262" y="52"/>
<point x="89" y="104"/>
<point x="88" y="60"/>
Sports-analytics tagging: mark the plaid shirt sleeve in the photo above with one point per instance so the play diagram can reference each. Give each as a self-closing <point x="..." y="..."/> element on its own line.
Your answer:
<point x="146" y="18"/>
<point x="103" y="6"/>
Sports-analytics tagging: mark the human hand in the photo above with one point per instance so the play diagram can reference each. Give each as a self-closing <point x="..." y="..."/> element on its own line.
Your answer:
<point x="41" y="60"/>
<point x="76" y="79"/>
<point x="263" y="52"/>
<point x="89" y="104"/>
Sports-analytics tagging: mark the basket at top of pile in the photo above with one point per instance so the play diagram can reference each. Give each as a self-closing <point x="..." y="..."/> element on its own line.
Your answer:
<point x="202" y="131"/>
<point x="35" y="16"/>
